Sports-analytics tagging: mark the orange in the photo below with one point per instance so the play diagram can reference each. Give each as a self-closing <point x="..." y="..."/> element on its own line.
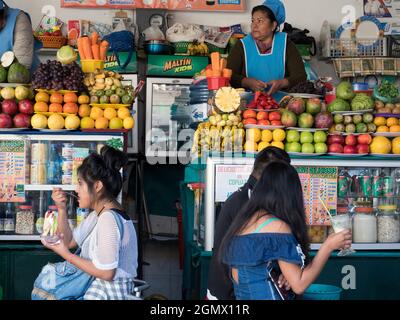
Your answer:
<point x="56" y="98"/>
<point x="70" y="108"/>
<point x="96" y="113"/>
<point x="110" y="113"/>
<point x="395" y="128"/>
<point x="250" y="146"/>
<point x="380" y="121"/>
<point x="39" y="121"/>
<point x="278" y="144"/>
<point x="396" y="145"/>
<point x="392" y="122"/>
<point x="84" y="110"/>
<point x="262" y="145"/>
<point x="382" y="129"/>
<point x="83" y="99"/>
<point x="72" y="122"/>
<point x="41" y="107"/>
<point x="55" y="107"/>
<point x="380" y="145"/>
<point x="70" y="97"/>
<point x="42" y="97"/>
<point x="129" y="123"/>
<point x="253" y="134"/>
<point x="87" y="123"/>
<point x="101" y="123"/>
<point x="278" y="135"/>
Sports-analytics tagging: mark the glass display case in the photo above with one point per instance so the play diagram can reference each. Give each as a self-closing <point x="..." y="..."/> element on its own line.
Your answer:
<point x="168" y="113"/>
<point x="368" y="188"/>
<point x="31" y="165"/>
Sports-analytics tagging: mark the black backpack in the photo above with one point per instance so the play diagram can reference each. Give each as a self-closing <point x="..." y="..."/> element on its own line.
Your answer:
<point x="298" y="36"/>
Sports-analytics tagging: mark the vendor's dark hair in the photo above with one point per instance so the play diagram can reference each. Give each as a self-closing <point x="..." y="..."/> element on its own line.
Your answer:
<point x="268" y="12"/>
<point x="266" y="156"/>
<point x="104" y="167"/>
<point x="3" y="16"/>
<point x="278" y="192"/>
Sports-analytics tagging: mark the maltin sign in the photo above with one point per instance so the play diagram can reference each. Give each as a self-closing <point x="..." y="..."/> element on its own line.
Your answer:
<point x="174" y="66"/>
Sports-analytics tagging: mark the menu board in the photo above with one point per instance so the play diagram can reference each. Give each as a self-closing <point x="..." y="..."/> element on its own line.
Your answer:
<point x="189" y="5"/>
<point x="12" y="170"/>
<point x="229" y="178"/>
<point x="319" y="182"/>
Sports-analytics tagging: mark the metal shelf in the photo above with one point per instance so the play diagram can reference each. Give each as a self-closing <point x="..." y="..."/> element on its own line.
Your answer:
<point x="366" y="246"/>
<point x="15" y="237"/>
<point x="48" y="187"/>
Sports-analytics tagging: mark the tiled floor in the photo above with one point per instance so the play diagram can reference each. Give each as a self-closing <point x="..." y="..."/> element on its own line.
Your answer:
<point x="162" y="272"/>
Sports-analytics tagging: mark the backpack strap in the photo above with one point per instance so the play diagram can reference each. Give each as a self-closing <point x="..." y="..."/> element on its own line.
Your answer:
<point x="119" y="223"/>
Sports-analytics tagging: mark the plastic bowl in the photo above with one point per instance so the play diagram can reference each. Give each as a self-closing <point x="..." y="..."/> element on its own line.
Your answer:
<point x="322" y="292"/>
<point x="89" y="66"/>
<point x="360" y="86"/>
<point x="214" y="83"/>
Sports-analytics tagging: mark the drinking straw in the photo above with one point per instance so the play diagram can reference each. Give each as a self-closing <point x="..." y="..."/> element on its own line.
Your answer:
<point x="326" y="209"/>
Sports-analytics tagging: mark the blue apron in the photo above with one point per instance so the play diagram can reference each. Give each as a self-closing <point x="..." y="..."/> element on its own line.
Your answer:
<point x="269" y="66"/>
<point x="7" y="37"/>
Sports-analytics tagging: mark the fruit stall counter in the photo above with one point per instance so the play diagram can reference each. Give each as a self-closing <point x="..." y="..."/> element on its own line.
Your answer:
<point x="32" y="163"/>
<point x="364" y="187"/>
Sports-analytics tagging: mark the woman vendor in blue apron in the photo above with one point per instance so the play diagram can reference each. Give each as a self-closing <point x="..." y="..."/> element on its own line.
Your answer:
<point x="266" y="59"/>
<point x="16" y="35"/>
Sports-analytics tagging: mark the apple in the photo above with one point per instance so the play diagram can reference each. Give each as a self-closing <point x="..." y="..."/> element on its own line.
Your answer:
<point x="25" y="106"/>
<point x="335" y="138"/>
<point x="306" y="137"/>
<point x="321" y="147"/>
<point x="335" y="148"/>
<point x="249" y="121"/>
<point x="292" y="136"/>
<point x="263" y="122"/>
<point x="249" y="114"/>
<point x="363" y="148"/>
<point x="293" y="147"/>
<point x="320" y="137"/>
<point x="364" y="139"/>
<point x="262" y="115"/>
<point x="5" y="121"/>
<point x="9" y="106"/>
<point x="351" y="140"/>
<point x="22" y="120"/>
<point x="275" y="115"/>
<point x="307" y="148"/>
<point x="350" y="149"/>
<point x="276" y="123"/>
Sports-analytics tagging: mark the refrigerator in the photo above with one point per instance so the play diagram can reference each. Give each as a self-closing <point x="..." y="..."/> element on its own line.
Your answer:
<point x="169" y="121"/>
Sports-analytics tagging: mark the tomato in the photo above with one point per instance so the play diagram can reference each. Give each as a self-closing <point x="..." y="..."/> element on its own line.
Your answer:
<point x="249" y="114"/>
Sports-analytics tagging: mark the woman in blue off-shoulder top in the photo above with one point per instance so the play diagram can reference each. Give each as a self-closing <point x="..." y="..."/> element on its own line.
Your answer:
<point x="271" y="232"/>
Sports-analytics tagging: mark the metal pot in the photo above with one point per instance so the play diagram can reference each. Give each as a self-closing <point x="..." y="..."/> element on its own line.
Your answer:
<point x="158" y="47"/>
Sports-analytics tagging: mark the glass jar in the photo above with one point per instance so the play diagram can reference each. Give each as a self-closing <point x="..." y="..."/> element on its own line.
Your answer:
<point x="317" y="234"/>
<point x="388" y="224"/>
<point x="25" y="220"/>
<point x="364" y="225"/>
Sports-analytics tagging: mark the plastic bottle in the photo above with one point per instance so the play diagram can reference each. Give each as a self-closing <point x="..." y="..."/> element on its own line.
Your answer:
<point x="2" y="216"/>
<point x="54" y="166"/>
<point x="9" y="220"/>
<point x="40" y="211"/>
<point x="71" y="213"/>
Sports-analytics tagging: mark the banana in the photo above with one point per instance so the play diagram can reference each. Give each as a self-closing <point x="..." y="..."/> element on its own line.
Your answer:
<point x="118" y="83"/>
<point x="109" y="81"/>
<point x="99" y="86"/>
<point x="100" y="76"/>
<point x="99" y="80"/>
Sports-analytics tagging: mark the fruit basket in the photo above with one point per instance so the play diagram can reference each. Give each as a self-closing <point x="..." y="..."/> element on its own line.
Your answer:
<point x="55" y="42"/>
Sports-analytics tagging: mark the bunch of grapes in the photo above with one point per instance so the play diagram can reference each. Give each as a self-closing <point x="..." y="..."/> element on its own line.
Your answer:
<point x="54" y="75"/>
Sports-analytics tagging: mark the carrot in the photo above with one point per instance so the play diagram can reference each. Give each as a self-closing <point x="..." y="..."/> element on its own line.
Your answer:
<point x="80" y="49"/>
<point x="215" y="61"/>
<point x="87" y="48"/>
<point x="103" y="49"/>
<point x="96" y="51"/>
<point x="222" y="64"/>
<point x="227" y="73"/>
<point x="209" y="73"/>
<point x="94" y="37"/>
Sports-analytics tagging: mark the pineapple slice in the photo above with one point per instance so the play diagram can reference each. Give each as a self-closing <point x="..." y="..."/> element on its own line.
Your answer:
<point x="227" y="99"/>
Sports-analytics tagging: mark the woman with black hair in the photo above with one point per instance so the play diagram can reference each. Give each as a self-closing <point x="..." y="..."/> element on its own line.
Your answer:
<point x="270" y="232"/>
<point x="266" y="59"/>
<point x="108" y="247"/>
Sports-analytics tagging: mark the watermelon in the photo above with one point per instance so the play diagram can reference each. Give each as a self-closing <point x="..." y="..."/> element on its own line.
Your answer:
<point x="17" y="73"/>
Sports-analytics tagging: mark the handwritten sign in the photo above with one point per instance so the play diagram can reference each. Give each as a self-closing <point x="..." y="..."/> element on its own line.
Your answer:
<point x="12" y="170"/>
<point x="322" y="182"/>
<point x="229" y="178"/>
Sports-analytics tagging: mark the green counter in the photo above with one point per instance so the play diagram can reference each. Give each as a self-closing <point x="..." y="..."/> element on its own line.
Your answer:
<point x="20" y="264"/>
